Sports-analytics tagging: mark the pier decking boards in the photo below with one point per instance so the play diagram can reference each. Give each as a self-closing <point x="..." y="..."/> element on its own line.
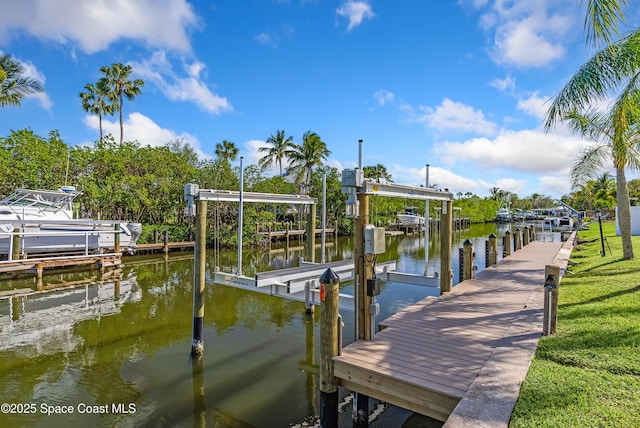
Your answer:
<point x="427" y="356"/>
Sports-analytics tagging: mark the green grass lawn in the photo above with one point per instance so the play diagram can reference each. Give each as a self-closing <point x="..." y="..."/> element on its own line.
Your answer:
<point x="588" y="374"/>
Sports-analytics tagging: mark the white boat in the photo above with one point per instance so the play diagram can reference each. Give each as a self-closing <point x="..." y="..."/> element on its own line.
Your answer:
<point x="503" y="214"/>
<point x="45" y="223"/>
<point x="550" y="224"/>
<point x="565" y="223"/>
<point x="410" y="218"/>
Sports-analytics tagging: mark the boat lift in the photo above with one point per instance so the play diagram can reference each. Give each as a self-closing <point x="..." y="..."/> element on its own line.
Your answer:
<point x="299" y="283"/>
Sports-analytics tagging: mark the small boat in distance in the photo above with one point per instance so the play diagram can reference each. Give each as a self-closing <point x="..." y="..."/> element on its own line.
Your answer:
<point x="410" y="218"/>
<point x="44" y="219"/>
<point x="503" y="214"/>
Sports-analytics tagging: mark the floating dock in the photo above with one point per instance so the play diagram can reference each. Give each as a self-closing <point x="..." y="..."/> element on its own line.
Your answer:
<point x="427" y="357"/>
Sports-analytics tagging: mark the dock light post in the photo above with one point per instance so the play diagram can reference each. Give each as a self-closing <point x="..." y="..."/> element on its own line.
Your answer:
<point x="329" y="348"/>
<point x="240" y="208"/>
<point x="552" y="275"/>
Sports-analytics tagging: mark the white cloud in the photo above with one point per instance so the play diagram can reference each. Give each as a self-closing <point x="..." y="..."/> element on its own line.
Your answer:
<point x="93" y="26"/>
<point x="355" y="12"/>
<point x="274" y="38"/>
<point x="521" y="151"/>
<point x="382" y="96"/>
<point x="439" y="177"/>
<point x="138" y="127"/>
<point x="521" y="43"/>
<point x="511" y="185"/>
<point x="534" y="105"/>
<point x="191" y="87"/>
<point x="527" y="33"/>
<point x="554" y="185"/>
<point x="504" y="85"/>
<point x="31" y="71"/>
<point x="451" y="115"/>
<point x="251" y="152"/>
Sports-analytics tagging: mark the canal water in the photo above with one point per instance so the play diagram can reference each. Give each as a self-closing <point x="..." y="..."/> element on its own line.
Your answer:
<point x="114" y="351"/>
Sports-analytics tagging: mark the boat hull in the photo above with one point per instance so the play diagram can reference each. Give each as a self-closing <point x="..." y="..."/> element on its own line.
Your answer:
<point x="70" y="237"/>
<point x="409" y="220"/>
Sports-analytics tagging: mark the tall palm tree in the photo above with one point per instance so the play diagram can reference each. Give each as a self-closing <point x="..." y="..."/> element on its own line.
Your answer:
<point x="623" y="150"/>
<point x="226" y="151"/>
<point x="116" y="79"/>
<point x="614" y="69"/>
<point x="280" y="144"/>
<point x="304" y="157"/>
<point x="13" y="84"/>
<point x="96" y="101"/>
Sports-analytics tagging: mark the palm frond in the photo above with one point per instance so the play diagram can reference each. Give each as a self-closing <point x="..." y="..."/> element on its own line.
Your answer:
<point x="587" y="166"/>
<point x="602" y="20"/>
<point x="596" y="79"/>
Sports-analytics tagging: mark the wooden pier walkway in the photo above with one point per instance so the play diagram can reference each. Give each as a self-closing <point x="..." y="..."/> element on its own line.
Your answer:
<point x="427" y="356"/>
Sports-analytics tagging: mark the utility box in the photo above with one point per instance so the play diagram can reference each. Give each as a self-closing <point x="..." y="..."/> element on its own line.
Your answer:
<point x="374" y="240"/>
<point x="373" y="287"/>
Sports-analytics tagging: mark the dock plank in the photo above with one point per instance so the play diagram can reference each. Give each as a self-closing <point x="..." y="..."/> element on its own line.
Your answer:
<point x="428" y="355"/>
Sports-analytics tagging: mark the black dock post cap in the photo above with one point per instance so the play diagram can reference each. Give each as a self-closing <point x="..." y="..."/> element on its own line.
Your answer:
<point x="329" y="277"/>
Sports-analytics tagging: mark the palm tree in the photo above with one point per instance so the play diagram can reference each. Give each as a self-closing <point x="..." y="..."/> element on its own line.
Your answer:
<point x="619" y="143"/>
<point x="497" y="194"/>
<point x="280" y="144"/>
<point x="226" y="151"/>
<point x="116" y="80"/>
<point x="304" y="157"/>
<point x="377" y="172"/>
<point x="96" y="101"/>
<point x="13" y="84"/>
<point x="613" y="69"/>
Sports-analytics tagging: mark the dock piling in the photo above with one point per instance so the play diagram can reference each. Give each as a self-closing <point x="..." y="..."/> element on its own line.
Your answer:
<point x="446" y="226"/>
<point x="467" y="260"/>
<point x="197" y="346"/>
<point x="492" y="250"/>
<point x="14" y="253"/>
<point x="329" y="348"/>
<point x="506" y="244"/>
<point x="116" y="239"/>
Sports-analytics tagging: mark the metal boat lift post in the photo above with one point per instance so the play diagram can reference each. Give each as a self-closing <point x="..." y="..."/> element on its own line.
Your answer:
<point x="358" y="190"/>
<point x="197" y="207"/>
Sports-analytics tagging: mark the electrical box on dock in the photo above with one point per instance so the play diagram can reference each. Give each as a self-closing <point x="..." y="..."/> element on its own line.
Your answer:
<point x="374" y="242"/>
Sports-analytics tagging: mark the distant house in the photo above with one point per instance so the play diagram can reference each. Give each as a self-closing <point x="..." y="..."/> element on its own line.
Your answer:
<point x="635" y="221"/>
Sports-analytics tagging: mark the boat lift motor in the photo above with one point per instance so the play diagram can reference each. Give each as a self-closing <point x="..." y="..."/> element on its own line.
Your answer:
<point x="190" y="193"/>
<point x="352" y="179"/>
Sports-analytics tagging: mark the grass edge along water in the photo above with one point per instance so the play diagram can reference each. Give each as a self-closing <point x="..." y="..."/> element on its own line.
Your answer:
<point x="588" y="374"/>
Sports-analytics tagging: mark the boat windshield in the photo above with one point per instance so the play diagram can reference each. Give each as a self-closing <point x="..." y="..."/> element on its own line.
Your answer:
<point x="44" y="200"/>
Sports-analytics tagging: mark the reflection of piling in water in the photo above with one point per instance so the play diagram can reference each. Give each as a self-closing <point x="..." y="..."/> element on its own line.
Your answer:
<point x="197" y="375"/>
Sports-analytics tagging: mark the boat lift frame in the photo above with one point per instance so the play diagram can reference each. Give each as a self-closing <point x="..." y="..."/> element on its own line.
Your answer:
<point x="358" y="190"/>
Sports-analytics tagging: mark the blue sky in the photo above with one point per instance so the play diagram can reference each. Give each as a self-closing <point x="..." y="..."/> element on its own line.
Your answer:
<point x="460" y="85"/>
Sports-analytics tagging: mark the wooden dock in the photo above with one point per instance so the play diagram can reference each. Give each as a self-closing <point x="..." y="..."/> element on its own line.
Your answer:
<point x="427" y="356"/>
<point x="164" y="247"/>
<point x="293" y="233"/>
<point x="38" y="265"/>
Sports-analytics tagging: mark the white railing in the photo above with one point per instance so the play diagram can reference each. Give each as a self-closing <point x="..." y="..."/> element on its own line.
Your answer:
<point x="62" y="233"/>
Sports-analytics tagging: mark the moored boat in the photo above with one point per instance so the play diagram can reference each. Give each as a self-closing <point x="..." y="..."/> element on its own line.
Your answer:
<point x="503" y="214"/>
<point x="45" y="223"/>
<point x="410" y="218"/>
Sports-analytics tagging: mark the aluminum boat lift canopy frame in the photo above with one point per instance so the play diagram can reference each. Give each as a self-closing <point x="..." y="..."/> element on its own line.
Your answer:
<point x="293" y="283"/>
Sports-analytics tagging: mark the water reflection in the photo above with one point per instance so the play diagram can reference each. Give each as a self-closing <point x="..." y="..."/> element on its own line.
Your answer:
<point x="125" y="341"/>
